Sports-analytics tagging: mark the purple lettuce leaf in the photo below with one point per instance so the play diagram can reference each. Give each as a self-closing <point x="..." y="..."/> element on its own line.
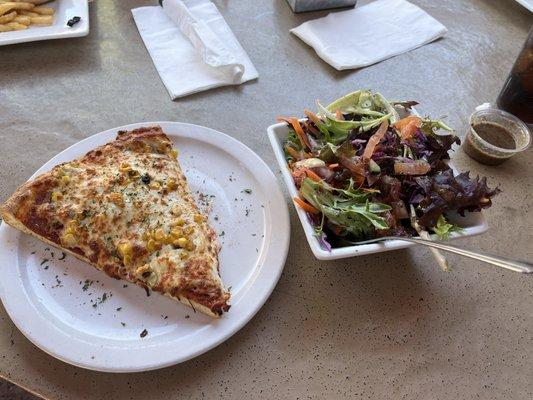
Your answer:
<point x="444" y="191"/>
<point x="323" y="240"/>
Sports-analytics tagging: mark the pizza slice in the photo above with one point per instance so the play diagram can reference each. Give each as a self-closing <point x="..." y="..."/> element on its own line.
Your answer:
<point x="126" y="209"/>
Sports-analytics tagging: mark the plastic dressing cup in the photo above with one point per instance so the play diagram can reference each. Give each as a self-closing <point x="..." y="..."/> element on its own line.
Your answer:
<point x="495" y="136"/>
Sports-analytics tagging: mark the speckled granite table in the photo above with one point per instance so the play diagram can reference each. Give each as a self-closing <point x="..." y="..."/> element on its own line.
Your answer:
<point x="385" y="326"/>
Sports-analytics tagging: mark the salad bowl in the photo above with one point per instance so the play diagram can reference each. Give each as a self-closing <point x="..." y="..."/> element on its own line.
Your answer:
<point x="472" y="223"/>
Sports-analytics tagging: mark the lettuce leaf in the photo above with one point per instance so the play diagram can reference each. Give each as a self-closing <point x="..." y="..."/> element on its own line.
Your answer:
<point x="371" y="109"/>
<point x="348" y="208"/>
<point x="444" y="229"/>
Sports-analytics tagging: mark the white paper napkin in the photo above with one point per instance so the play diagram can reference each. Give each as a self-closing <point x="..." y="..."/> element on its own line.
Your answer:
<point x="192" y="46"/>
<point x="369" y="34"/>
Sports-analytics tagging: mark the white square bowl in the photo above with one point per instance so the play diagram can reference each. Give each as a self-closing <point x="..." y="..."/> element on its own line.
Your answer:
<point x="64" y="10"/>
<point x="472" y="223"/>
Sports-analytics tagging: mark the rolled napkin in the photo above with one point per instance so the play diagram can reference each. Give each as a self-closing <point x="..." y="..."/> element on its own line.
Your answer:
<point x="369" y="34"/>
<point x="192" y="46"/>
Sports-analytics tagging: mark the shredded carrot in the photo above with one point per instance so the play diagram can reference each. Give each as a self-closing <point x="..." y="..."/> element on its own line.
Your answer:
<point x="375" y="139"/>
<point x="405" y="121"/>
<point x="408" y="126"/>
<point x="298" y="129"/>
<point x="312" y="116"/>
<point x="339" y="115"/>
<point x="312" y="175"/>
<point x="409" y="130"/>
<point x="333" y="166"/>
<point x="305" y="206"/>
<point x="359" y="180"/>
<point x="293" y="153"/>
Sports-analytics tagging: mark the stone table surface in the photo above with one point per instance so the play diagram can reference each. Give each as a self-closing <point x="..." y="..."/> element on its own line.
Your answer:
<point x="384" y="326"/>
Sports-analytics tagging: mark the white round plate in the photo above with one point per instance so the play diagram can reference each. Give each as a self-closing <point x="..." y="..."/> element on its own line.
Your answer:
<point x="81" y="316"/>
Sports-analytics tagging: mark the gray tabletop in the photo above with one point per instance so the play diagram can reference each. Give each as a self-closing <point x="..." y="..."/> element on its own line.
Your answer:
<point x="386" y="326"/>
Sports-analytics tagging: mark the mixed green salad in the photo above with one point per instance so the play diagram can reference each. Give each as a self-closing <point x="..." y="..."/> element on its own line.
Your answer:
<point x="363" y="171"/>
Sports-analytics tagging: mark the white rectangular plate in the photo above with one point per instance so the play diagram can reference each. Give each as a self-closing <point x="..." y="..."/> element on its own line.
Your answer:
<point x="65" y="10"/>
<point x="473" y="223"/>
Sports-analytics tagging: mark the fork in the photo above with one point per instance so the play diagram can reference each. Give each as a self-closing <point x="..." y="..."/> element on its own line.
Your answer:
<point x="524" y="267"/>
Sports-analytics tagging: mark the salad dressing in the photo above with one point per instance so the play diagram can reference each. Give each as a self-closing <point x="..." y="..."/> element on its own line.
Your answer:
<point x="494" y="134"/>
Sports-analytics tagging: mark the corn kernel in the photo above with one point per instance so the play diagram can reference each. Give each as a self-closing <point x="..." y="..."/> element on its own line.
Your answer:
<point x="176" y="210"/>
<point x="72" y="224"/>
<point x="159" y="234"/>
<point x="177" y="222"/>
<point x="171" y="184"/>
<point x="150" y="246"/>
<point x="154" y="185"/>
<point x="153" y="245"/>
<point x="65" y="179"/>
<point x="125" y="249"/>
<point x="168" y="239"/>
<point x="182" y="242"/>
<point x="125" y="167"/>
<point x="198" y="218"/>
<point x="69" y="240"/>
<point x="190" y="246"/>
<point x="72" y="227"/>
<point x="177" y="232"/>
<point x="56" y="196"/>
<point x="174" y="153"/>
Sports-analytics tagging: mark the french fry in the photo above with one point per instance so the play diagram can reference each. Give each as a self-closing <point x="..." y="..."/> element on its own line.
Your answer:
<point x="4" y="19"/>
<point x="16" y="26"/>
<point x="43" y="10"/>
<point x="5" y="7"/>
<point x="17" y="15"/>
<point x="22" y="19"/>
<point x="42" y="20"/>
<point x="28" y="13"/>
